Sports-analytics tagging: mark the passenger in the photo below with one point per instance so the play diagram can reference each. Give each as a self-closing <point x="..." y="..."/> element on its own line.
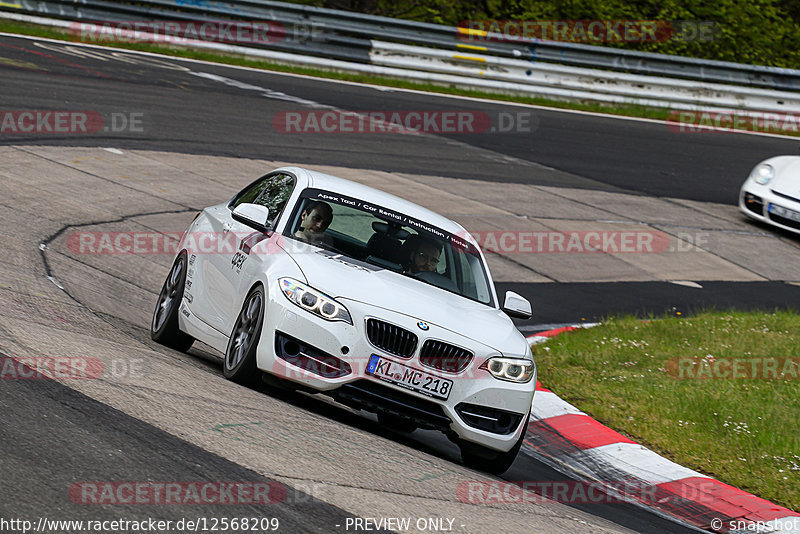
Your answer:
<point x="425" y="255"/>
<point x="314" y="220"/>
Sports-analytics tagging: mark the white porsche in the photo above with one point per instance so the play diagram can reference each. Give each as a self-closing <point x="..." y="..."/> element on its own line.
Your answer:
<point x="330" y="286"/>
<point x="771" y="193"/>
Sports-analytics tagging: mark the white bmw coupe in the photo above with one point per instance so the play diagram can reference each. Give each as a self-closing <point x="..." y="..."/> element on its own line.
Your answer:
<point x="771" y="193"/>
<point x="329" y="286"/>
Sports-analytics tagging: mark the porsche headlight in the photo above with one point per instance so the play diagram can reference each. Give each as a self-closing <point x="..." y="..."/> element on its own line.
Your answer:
<point x="763" y="173"/>
<point x="314" y="301"/>
<point x="511" y="369"/>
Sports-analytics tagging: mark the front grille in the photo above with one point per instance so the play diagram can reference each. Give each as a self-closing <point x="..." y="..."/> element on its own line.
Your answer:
<point x="444" y="356"/>
<point x="391" y="338"/>
<point x="373" y="397"/>
<point x="489" y="419"/>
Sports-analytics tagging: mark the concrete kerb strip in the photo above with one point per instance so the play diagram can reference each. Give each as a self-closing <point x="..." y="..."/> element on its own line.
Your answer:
<point x="564" y="437"/>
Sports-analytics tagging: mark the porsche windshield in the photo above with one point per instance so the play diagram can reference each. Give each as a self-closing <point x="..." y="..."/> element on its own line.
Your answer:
<point x="390" y="240"/>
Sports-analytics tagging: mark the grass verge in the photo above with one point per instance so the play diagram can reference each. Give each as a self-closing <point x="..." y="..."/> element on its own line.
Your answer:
<point x="664" y="383"/>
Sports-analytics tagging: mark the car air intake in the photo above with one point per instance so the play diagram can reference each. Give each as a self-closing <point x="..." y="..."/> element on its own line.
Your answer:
<point x="309" y="358"/>
<point x="489" y="419"/>
<point x="754" y="203"/>
<point x="391" y="338"/>
<point x="444" y="356"/>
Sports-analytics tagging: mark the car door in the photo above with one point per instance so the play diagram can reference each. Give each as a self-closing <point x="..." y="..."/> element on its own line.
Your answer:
<point x="212" y="245"/>
<point x="231" y="279"/>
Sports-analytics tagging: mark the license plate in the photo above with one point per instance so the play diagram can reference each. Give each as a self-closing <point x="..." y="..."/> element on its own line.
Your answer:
<point x="783" y="212"/>
<point x="409" y="377"/>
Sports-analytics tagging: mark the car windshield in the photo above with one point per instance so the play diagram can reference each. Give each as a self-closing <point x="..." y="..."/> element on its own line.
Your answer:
<point x="390" y="240"/>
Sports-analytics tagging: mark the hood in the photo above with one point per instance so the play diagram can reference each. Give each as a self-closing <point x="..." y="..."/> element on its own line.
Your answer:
<point x="787" y="176"/>
<point x="348" y="279"/>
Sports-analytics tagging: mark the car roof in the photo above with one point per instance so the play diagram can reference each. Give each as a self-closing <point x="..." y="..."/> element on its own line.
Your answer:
<point x="319" y="180"/>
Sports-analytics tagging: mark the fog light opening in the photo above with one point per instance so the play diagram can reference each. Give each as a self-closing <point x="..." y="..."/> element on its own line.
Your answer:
<point x="291" y="348"/>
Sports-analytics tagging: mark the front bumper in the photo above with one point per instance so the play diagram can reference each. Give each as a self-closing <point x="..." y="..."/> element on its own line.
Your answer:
<point x="754" y="201"/>
<point x="332" y="357"/>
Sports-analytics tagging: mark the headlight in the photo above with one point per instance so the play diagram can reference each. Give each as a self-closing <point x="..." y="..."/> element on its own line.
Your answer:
<point x="510" y="369"/>
<point x="763" y="173"/>
<point x="314" y="301"/>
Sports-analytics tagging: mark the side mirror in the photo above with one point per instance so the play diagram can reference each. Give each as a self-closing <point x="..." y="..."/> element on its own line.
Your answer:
<point x="517" y="306"/>
<point x="253" y="215"/>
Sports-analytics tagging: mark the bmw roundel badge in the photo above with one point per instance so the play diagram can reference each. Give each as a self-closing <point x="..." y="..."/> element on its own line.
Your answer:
<point x="423" y="325"/>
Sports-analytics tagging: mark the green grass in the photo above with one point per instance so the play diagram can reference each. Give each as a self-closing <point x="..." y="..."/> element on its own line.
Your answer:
<point x="744" y="431"/>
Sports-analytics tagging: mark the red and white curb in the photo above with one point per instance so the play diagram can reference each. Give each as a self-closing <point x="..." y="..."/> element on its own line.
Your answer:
<point x="565" y="437"/>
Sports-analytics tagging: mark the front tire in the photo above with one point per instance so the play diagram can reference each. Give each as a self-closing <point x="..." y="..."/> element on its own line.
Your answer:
<point x="164" y="327"/>
<point x="487" y="460"/>
<point x="240" y="356"/>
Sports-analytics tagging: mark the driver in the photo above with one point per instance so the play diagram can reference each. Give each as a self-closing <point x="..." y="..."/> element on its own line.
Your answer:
<point x="314" y="220"/>
<point x="425" y="256"/>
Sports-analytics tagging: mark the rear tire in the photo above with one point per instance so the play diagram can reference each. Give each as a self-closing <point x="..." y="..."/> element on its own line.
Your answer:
<point x="164" y="327"/>
<point x="240" y="356"/>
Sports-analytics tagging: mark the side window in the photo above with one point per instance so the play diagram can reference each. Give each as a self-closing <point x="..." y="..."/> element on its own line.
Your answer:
<point x="272" y="191"/>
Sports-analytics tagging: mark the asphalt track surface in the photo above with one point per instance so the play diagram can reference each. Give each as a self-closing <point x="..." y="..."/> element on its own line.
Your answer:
<point x="198" y="115"/>
<point x="191" y="114"/>
<point x="58" y="436"/>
